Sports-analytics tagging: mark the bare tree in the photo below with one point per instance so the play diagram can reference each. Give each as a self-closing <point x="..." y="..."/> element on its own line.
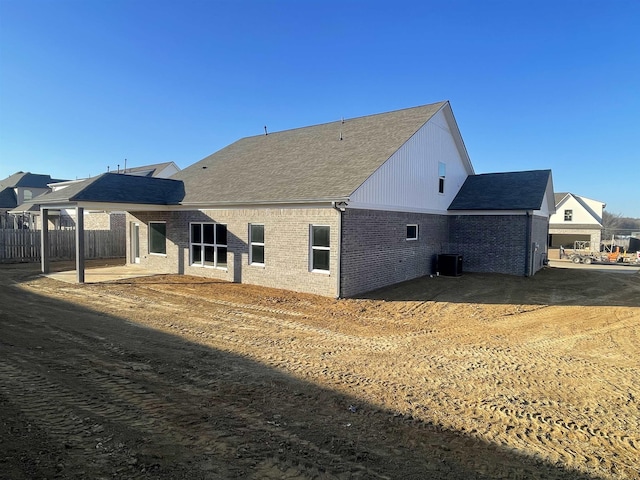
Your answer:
<point x="616" y="224"/>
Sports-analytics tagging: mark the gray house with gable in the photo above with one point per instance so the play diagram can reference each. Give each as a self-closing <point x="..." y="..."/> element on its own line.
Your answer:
<point x="335" y="209"/>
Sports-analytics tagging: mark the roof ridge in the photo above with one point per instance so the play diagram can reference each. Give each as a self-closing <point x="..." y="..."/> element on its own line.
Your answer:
<point x="345" y="120"/>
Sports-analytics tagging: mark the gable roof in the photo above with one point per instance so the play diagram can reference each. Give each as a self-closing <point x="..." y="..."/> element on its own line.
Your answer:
<point x="317" y="163"/>
<point x="27" y="180"/>
<point x="503" y="191"/>
<point x="558" y="197"/>
<point x="8" y="198"/>
<point x="149" y="170"/>
<point x="117" y="188"/>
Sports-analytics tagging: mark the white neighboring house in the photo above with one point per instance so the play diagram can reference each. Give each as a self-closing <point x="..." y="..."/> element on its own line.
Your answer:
<point x="577" y="218"/>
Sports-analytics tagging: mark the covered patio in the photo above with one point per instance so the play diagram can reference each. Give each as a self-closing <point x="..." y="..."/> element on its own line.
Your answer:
<point x="106" y="192"/>
<point x="98" y="272"/>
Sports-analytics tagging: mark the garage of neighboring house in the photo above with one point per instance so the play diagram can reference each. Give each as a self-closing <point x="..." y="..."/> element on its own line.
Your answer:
<point x="577" y="219"/>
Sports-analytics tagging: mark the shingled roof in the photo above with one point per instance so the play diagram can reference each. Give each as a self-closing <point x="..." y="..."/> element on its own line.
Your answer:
<point x="8" y="197"/>
<point x="317" y="163"/>
<point x="118" y="188"/>
<point x="503" y="191"/>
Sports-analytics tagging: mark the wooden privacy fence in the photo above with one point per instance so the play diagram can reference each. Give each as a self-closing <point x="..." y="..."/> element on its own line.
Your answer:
<point x="24" y="245"/>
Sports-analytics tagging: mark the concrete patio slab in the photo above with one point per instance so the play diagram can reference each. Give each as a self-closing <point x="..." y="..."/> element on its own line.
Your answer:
<point x="103" y="274"/>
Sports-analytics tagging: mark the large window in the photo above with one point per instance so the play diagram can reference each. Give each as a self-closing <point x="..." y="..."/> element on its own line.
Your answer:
<point x="442" y="173"/>
<point x="568" y="215"/>
<point x="208" y="245"/>
<point x="158" y="238"/>
<point x="256" y="244"/>
<point x="320" y="248"/>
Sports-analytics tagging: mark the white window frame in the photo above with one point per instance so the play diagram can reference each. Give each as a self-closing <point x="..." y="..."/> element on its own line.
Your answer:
<point x="149" y="239"/>
<point x="257" y="244"/>
<point x="568" y="213"/>
<point x="442" y="173"/>
<point x="412" y="239"/>
<point x="202" y="246"/>
<point x="313" y="248"/>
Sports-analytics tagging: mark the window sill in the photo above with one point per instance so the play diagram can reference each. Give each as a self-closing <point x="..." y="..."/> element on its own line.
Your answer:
<point x="321" y="272"/>
<point x="195" y="265"/>
<point x="257" y="265"/>
<point x="158" y="254"/>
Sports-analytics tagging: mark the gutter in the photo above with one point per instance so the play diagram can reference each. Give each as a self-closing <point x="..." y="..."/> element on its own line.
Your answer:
<point x="340" y="207"/>
<point x="206" y="205"/>
<point x="527" y="255"/>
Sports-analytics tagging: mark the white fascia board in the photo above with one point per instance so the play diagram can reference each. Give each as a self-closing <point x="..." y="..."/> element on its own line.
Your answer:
<point x="536" y="213"/>
<point x="394" y="208"/>
<point x="108" y="207"/>
<point x="457" y="136"/>
<point x="325" y="203"/>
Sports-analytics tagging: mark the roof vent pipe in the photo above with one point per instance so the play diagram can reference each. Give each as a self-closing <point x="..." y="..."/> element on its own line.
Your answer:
<point x="265" y="130"/>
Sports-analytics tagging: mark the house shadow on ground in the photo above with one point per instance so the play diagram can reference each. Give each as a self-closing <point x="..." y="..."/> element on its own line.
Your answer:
<point x="550" y="286"/>
<point x="88" y="395"/>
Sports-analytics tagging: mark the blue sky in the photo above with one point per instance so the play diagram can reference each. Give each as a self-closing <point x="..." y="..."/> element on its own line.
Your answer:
<point x="85" y="84"/>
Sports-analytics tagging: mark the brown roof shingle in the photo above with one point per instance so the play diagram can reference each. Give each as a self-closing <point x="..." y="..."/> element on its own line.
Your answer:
<point x="322" y="162"/>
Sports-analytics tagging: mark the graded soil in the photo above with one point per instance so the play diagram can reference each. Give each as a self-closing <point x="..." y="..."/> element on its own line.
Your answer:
<point x="178" y="377"/>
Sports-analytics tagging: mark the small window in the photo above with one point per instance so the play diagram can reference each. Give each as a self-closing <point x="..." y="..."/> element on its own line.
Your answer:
<point x="442" y="173"/>
<point x="412" y="232"/>
<point x="320" y="248"/>
<point x="28" y="194"/>
<point x="568" y="215"/>
<point x="208" y="245"/>
<point x="256" y="244"/>
<point x="158" y="238"/>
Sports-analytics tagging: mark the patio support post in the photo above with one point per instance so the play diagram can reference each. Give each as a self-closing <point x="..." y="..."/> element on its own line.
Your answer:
<point x="80" y="244"/>
<point x="44" y="240"/>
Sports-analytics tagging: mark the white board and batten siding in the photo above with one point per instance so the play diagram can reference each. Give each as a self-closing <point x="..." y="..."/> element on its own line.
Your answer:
<point x="585" y="211"/>
<point x="409" y="180"/>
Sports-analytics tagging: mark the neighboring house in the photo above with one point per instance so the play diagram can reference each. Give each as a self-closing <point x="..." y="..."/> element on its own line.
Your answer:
<point x="335" y="209"/>
<point x="159" y="170"/>
<point x="64" y="219"/>
<point x="577" y="218"/>
<point x="16" y="189"/>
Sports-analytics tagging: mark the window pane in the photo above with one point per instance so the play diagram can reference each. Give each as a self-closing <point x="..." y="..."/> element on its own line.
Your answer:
<point x="222" y="256"/>
<point x="208" y="256"/>
<point x="321" y="260"/>
<point x="412" y="232"/>
<point x="442" y="169"/>
<point x="157" y="238"/>
<point x="221" y="235"/>
<point x="441" y="185"/>
<point x="320" y="236"/>
<point x="207" y="233"/>
<point x="257" y="254"/>
<point x="196" y="233"/>
<point x="196" y="254"/>
<point x="257" y="233"/>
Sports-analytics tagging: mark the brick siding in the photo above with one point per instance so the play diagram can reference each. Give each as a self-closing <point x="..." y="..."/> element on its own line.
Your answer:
<point x="376" y="252"/>
<point x="497" y="243"/>
<point x="286" y="247"/>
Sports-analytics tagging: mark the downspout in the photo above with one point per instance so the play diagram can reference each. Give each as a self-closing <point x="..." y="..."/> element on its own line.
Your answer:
<point x="340" y="208"/>
<point x="527" y="256"/>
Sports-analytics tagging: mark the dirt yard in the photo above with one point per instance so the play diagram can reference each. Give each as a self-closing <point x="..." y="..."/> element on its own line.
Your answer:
<point x="169" y="377"/>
